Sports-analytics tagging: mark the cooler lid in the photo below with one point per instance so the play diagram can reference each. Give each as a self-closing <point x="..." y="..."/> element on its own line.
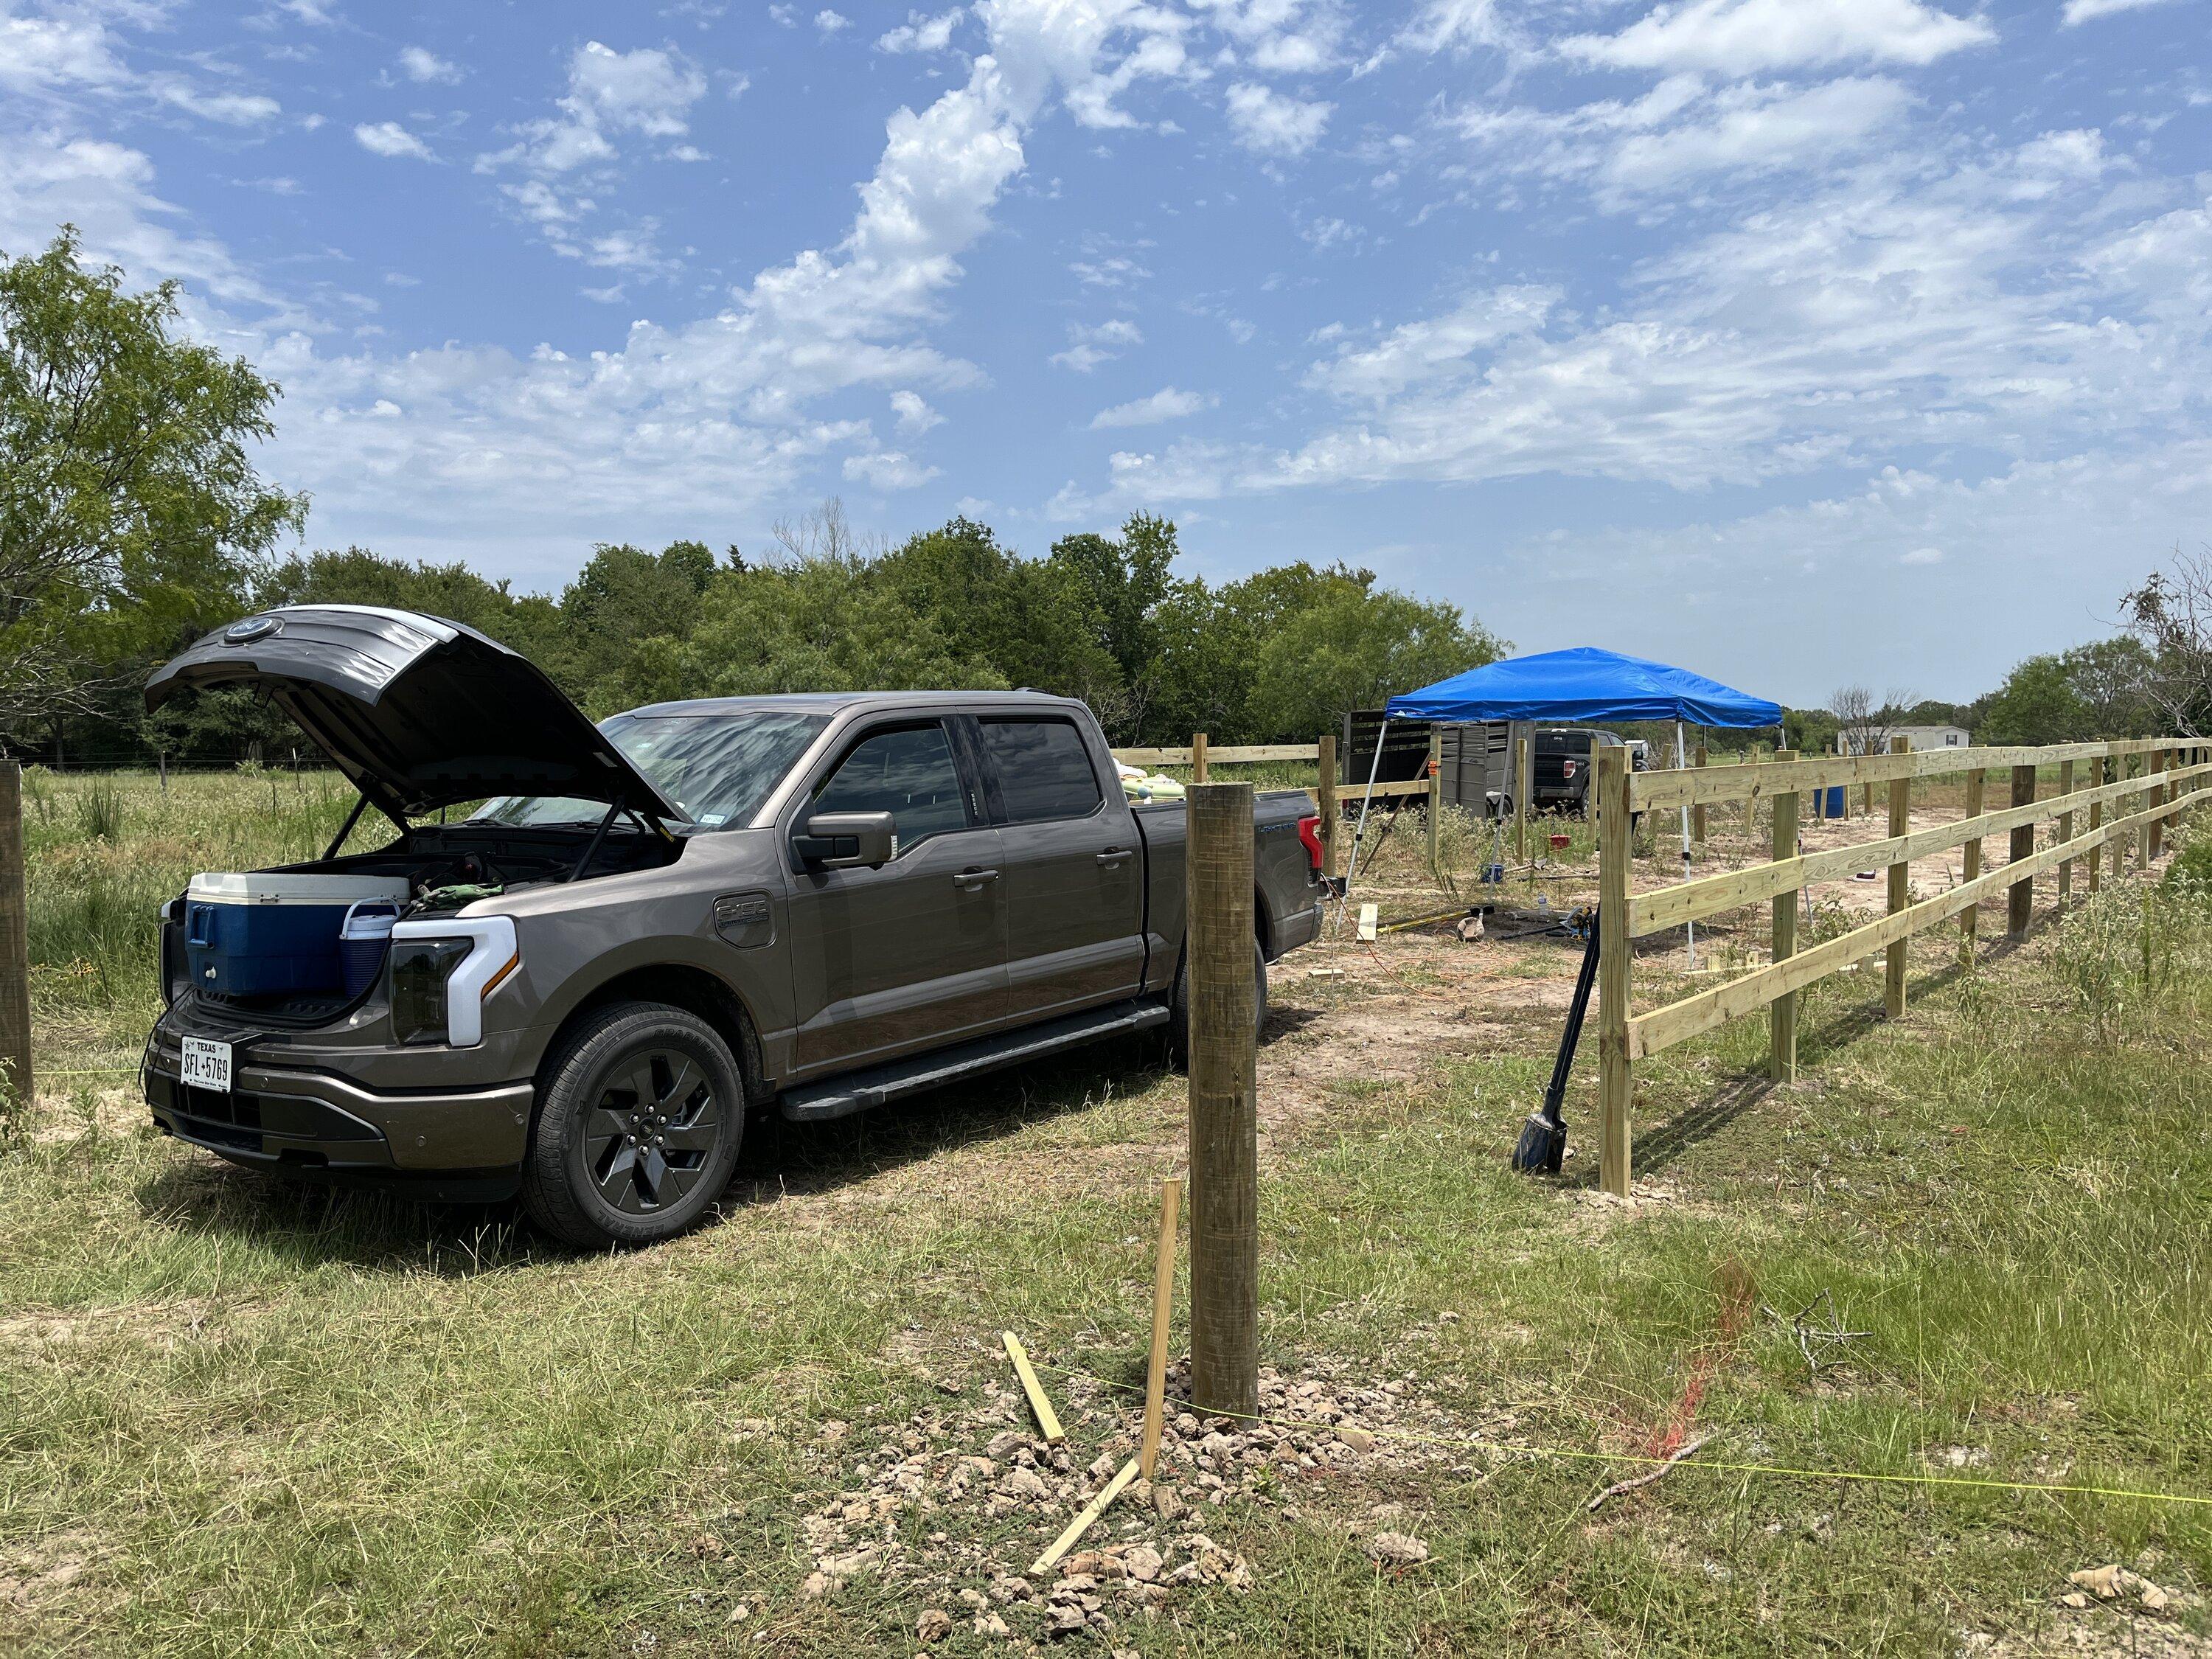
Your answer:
<point x="420" y="712"/>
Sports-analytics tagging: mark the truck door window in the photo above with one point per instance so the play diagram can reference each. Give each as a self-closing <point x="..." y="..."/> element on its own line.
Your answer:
<point x="908" y="772"/>
<point x="1044" y="770"/>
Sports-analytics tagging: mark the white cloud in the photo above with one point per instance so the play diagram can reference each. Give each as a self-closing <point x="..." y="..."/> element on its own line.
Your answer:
<point x="829" y="22"/>
<point x="1273" y="124"/>
<point x="1921" y="556"/>
<point x="426" y="67"/>
<point x="389" y="139"/>
<point x="914" y="416"/>
<point x="648" y="91"/>
<point x="66" y="49"/>
<point x="921" y="33"/>
<point x="2082" y="11"/>
<point x="886" y="469"/>
<point x="1165" y="404"/>
<point x="1744" y="37"/>
<point x="1110" y="270"/>
<point x="236" y="109"/>
<point x="1090" y="347"/>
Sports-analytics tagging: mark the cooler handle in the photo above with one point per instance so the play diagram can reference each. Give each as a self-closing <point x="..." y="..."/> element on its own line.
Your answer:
<point x="199" y="923"/>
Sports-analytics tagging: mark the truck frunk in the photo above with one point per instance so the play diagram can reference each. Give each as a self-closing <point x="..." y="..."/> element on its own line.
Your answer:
<point x="646" y="931"/>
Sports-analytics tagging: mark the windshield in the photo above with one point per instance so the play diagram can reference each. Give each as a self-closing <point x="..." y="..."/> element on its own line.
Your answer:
<point x="718" y="768"/>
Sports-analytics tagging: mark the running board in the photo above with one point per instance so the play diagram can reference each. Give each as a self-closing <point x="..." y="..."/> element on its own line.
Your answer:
<point x="856" y="1092"/>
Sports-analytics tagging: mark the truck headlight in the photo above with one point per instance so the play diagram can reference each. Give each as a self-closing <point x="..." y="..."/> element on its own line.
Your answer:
<point x="442" y="971"/>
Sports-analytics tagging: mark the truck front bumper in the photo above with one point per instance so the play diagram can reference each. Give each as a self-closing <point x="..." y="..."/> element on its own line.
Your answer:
<point x="460" y="1144"/>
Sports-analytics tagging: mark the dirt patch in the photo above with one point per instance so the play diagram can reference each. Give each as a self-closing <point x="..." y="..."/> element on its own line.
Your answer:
<point x="32" y="1577"/>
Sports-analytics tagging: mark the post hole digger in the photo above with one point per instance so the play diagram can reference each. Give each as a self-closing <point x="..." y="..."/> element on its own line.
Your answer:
<point x="1543" y="1146"/>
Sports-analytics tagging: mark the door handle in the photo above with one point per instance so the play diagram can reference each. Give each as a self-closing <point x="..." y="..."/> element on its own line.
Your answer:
<point x="973" y="878"/>
<point x="1114" y="855"/>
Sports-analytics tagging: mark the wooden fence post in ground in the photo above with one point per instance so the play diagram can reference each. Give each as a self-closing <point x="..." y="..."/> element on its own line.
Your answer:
<point x="2020" y="898"/>
<point x="2160" y="793"/>
<point x="1971" y="856"/>
<point x="1224" y="1222"/>
<point x="1698" y="812"/>
<point x="2099" y="771"/>
<point x="1524" y="784"/>
<point x="1616" y="1081"/>
<point x="1436" y="796"/>
<point x="16" y="1084"/>
<point x="1198" y="758"/>
<point x="2139" y="801"/>
<point x="1326" y="802"/>
<point x="2065" y="834"/>
<point x="1782" y="1012"/>
<point x="1900" y="884"/>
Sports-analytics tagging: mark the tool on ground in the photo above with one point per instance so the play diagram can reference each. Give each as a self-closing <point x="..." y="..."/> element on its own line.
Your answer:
<point x="1543" y="1147"/>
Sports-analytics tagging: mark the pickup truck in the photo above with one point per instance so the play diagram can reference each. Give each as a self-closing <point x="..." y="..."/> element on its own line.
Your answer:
<point x="651" y="929"/>
<point x="1560" y="768"/>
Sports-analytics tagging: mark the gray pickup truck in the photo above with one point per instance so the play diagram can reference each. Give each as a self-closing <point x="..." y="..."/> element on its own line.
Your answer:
<point x="657" y="927"/>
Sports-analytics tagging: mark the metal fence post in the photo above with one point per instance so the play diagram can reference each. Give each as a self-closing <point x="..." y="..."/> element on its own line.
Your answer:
<point x="1616" y="1079"/>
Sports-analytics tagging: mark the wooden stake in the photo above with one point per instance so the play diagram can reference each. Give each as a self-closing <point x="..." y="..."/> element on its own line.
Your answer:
<point x="16" y="1083"/>
<point x="1327" y="805"/>
<point x="1782" y="1012"/>
<point x="1198" y="758"/>
<point x="1048" y="1422"/>
<point x="1081" y="1524"/>
<point x="1435" y="794"/>
<point x="1616" y="1080"/>
<point x="1224" y="1150"/>
<point x="1156" y="1379"/>
<point x="2020" y="898"/>
<point x="1900" y="882"/>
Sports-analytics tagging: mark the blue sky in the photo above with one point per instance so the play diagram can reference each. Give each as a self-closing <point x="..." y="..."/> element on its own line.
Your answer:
<point x="1798" y="341"/>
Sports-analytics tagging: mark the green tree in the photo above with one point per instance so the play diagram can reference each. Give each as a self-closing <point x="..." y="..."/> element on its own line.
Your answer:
<point x="130" y="511"/>
<point x="2036" y="704"/>
<point x="1353" y="647"/>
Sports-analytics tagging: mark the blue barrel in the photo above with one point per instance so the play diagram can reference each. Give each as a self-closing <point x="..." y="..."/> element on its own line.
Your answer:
<point x="1835" y="803"/>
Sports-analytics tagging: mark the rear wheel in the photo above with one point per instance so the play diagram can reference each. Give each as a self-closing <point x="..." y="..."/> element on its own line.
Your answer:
<point x="1179" y="1005"/>
<point x="639" y="1123"/>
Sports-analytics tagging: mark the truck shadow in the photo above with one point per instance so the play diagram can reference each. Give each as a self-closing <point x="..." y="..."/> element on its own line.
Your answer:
<point x="308" y="1225"/>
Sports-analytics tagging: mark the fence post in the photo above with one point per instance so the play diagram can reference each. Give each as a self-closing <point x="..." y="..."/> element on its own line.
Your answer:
<point x="2161" y="792"/>
<point x="1524" y="782"/>
<point x="2019" y="896"/>
<point x="2098" y="771"/>
<point x="1970" y="919"/>
<point x="1782" y="1012"/>
<point x="1326" y="802"/>
<point x="1436" y="795"/>
<point x="1225" y="1220"/>
<point x="1616" y="1080"/>
<point x="1698" y="812"/>
<point x="2065" y="835"/>
<point x="1198" y="758"/>
<point x="1900" y="881"/>
<point x="2139" y="801"/>
<point x="16" y="1083"/>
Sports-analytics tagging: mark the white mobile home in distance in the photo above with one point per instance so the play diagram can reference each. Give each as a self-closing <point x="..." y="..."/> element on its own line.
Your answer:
<point x="1920" y="737"/>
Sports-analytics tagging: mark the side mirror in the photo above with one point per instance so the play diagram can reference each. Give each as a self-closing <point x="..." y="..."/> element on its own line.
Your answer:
<point x="844" y="841"/>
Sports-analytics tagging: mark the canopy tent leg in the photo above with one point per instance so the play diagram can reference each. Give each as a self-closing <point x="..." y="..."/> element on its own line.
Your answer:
<point x="1681" y="760"/>
<point x="1351" y="866"/>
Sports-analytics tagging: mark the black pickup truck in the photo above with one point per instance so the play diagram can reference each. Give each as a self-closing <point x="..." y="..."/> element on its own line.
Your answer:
<point x="1560" y="761"/>
<point x="657" y="925"/>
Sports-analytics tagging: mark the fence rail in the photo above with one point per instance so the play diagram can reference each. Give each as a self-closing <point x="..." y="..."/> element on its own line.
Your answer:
<point x="2147" y="782"/>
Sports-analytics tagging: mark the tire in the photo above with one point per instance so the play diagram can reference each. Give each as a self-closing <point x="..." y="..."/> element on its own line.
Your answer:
<point x="1179" y="1007"/>
<point x="625" y="1081"/>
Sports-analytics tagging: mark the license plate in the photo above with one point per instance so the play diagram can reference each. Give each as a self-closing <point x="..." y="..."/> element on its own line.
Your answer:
<point x="207" y="1065"/>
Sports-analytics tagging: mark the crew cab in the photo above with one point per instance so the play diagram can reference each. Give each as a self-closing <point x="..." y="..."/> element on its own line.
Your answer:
<point x="645" y="931"/>
<point x="1561" y="766"/>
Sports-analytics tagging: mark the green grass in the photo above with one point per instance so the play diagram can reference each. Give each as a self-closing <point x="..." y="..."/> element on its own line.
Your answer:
<point x="240" y="1418"/>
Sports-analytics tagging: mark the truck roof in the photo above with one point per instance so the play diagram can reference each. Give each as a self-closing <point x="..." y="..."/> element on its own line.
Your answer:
<point x="833" y="703"/>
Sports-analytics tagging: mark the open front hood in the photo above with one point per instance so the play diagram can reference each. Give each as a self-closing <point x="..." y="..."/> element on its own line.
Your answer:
<point x="420" y="712"/>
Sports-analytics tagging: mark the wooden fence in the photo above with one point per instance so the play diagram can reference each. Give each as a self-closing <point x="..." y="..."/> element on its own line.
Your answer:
<point x="2132" y="789"/>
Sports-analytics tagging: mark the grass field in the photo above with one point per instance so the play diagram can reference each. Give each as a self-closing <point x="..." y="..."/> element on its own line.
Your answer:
<point x="240" y="1418"/>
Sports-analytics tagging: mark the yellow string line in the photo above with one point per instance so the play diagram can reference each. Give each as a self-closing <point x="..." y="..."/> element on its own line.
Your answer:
<point x="2053" y="1488"/>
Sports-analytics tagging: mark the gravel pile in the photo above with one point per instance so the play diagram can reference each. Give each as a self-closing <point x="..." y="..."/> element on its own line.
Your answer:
<point x="951" y="1505"/>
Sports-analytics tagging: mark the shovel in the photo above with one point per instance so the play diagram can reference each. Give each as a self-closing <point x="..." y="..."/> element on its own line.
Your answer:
<point x="1543" y="1146"/>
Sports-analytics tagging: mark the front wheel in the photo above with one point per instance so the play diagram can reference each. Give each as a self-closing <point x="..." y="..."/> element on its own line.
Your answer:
<point x="1179" y="1006"/>
<point x="639" y="1123"/>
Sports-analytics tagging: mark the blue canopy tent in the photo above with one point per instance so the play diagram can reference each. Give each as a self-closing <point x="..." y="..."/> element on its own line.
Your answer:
<point x="1583" y="684"/>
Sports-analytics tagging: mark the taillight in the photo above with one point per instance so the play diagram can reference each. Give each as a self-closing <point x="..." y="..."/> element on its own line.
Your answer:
<point x="1570" y="772"/>
<point x="1309" y="833"/>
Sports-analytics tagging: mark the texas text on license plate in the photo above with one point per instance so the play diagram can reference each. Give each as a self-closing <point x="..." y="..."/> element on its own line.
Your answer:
<point x="207" y="1065"/>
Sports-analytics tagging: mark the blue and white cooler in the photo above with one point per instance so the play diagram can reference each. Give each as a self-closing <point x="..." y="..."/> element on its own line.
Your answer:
<point x="275" y="935"/>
